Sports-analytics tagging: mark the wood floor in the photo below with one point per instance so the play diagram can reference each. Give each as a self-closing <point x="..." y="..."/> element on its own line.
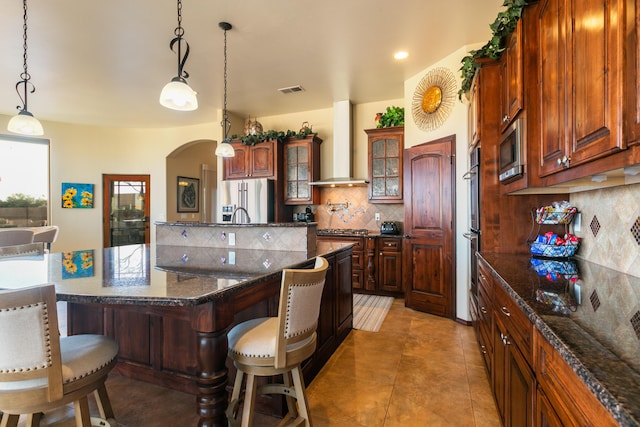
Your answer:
<point x="418" y="370"/>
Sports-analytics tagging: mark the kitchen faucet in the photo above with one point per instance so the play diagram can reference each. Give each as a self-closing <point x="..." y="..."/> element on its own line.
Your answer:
<point x="233" y="216"/>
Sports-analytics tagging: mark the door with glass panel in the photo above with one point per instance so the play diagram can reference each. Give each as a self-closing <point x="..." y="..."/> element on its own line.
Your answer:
<point x="126" y="209"/>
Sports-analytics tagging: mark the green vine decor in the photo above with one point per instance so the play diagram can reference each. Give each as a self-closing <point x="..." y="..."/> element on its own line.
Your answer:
<point x="269" y="135"/>
<point x="504" y="25"/>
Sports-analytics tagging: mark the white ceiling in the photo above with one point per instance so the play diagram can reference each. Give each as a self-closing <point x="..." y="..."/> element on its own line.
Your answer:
<point x="105" y="62"/>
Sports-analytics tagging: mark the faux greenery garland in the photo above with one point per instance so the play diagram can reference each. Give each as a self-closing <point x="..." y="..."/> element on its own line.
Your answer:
<point x="504" y="25"/>
<point x="269" y="135"/>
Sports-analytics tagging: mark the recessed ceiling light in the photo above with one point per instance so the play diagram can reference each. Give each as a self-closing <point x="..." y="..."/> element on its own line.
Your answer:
<point x="401" y="55"/>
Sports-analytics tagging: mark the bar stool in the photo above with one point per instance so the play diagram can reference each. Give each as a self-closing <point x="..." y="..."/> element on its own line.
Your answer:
<point x="39" y="370"/>
<point x="278" y="345"/>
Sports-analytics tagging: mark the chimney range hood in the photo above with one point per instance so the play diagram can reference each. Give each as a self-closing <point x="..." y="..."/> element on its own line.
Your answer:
<point x="342" y="150"/>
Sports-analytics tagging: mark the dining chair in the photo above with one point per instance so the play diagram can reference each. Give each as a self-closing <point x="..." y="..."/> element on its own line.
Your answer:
<point x="29" y="249"/>
<point x="17" y="236"/>
<point x="46" y="235"/>
<point x="39" y="370"/>
<point x="270" y="346"/>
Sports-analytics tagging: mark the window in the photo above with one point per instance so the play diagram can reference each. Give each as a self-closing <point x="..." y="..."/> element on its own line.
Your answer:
<point x="24" y="181"/>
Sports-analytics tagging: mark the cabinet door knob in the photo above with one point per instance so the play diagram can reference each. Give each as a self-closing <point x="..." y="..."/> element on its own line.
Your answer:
<point x="505" y="118"/>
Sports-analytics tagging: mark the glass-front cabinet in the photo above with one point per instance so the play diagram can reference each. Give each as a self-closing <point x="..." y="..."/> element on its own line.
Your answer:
<point x="302" y="166"/>
<point x="385" y="164"/>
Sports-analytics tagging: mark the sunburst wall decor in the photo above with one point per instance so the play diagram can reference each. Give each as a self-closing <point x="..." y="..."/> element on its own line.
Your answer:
<point x="433" y="98"/>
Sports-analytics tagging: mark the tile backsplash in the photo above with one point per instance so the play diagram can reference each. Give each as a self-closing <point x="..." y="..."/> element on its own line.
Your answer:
<point x="610" y="227"/>
<point x="358" y="213"/>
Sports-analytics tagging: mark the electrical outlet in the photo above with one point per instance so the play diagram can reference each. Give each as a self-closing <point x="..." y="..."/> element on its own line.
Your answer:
<point x="377" y="216"/>
<point x="232" y="239"/>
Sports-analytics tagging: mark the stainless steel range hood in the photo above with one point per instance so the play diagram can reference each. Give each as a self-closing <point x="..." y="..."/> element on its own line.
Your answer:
<point x="342" y="149"/>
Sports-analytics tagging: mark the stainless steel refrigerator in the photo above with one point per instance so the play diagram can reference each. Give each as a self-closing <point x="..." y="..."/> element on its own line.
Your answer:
<point x="246" y="201"/>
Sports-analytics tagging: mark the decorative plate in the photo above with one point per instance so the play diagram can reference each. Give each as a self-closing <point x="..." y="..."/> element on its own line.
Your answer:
<point x="434" y="98"/>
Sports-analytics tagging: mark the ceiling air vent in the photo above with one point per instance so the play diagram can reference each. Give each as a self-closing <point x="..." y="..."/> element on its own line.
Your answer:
<point x="291" y="89"/>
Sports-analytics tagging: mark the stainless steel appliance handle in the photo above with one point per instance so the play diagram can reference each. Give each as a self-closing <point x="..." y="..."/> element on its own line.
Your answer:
<point x="471" y="172"/>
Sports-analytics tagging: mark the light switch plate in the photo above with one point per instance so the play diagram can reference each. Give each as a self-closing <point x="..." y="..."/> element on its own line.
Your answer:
<point x="232" y="239"/>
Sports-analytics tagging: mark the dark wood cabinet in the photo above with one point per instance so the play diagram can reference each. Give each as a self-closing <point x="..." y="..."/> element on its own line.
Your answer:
<point x="565" y="400"/>
<point x="474" y="112"/>
<point x="513" y="379"/>
<point x="511" y="74"/>
<point x="386" y="146"/>
<point x="357" y="260"/>
<point x="376" y="264"/>
<point x="580" y="56"/>
<point x="531" y="382"/>
<point x="301" y="166"/>
<point x="389" y="265"/>
<point x="252" y="161"/>
<point x="632" y="73"/>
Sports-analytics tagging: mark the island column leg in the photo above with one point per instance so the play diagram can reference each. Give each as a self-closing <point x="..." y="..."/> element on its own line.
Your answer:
<point x="212" y="396"/>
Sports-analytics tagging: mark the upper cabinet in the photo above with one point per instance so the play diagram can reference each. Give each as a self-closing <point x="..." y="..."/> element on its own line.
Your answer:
<point x="474" y="113"/>
<point x="385" y="164"/>
<point x="632" y="70"/>
<point x="511" y="73"/>
<point x="301" y="166"/>
<point x="252" y="161"/>
<point x="580" y="56"/>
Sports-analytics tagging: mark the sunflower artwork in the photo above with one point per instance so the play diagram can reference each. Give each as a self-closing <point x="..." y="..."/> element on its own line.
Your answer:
<point x="77" y="195"/>
<point x="77" y="264"/>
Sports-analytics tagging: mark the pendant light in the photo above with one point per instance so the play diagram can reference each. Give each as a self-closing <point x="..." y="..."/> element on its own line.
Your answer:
<point x="225" y="149"/>
<point x="24" y="123"/>
<point x="177" y="94"/>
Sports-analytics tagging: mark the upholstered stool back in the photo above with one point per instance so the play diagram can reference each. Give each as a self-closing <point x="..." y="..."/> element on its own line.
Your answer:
<point x="278" y="345"/>
<point x="39" y="370"/>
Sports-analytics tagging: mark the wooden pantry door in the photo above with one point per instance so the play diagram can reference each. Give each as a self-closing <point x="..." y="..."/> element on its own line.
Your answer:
<point x="429" y="244"/>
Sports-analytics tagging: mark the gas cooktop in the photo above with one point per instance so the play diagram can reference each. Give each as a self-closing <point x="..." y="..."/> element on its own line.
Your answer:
<point x="342" y="231"/>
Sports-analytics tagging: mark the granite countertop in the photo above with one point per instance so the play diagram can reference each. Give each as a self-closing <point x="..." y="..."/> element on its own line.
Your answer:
<point x="591" y="316"/>
<point x="224" y="224"/>
<point x="152" y="275"/>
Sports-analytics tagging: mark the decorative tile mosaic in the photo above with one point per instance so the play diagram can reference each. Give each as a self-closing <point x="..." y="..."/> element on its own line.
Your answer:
<point x="595" y="300"/>
<point x="635" y="323"/>
<point x="635" y="230"/>
<point x="595" y="226"/>
<point x="607" y="239"/>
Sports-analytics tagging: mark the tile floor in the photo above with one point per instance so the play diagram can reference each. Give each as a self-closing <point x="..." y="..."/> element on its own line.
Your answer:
<point x="418" y="370"/>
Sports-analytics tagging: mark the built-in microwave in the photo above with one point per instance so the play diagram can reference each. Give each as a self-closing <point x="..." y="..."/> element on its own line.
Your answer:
<point x="510" y="154"/>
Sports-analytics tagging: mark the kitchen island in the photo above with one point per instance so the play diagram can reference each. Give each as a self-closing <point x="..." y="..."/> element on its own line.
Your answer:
<point x="170" y="307"/>
<point x="586" y="335"/>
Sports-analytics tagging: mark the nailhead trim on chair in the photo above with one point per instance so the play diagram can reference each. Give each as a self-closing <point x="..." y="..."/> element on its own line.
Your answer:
<point x="286" y="330"/>
<point x="45" y="318"/>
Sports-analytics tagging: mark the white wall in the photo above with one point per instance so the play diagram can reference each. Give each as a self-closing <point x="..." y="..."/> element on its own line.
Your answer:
<point x="83" y="153"/>
<point x="455" y="124"/>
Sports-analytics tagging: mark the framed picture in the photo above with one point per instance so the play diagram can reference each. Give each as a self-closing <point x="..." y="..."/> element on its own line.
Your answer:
<point x="188" y="194"/>
<point x="77" y="195"/>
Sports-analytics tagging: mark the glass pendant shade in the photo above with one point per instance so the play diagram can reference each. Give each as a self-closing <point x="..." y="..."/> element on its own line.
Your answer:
<point x="224" y="149"/>
<point x="25" y="124"/>
<point x="178" y="95"/>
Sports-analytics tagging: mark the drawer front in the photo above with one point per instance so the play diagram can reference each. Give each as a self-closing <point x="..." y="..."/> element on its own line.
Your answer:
<point x="357" y="260"/>
<point x="389" y="245"/>
<point x="485" y="313"/>
<point x="484" y="278"/>
<point x="517" y="323"/>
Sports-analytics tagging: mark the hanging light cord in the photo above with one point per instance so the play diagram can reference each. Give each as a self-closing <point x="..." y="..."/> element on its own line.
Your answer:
<point x="226" y="123"/>
<point x="179" y="32"/>
<point x="25" y="76"/>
